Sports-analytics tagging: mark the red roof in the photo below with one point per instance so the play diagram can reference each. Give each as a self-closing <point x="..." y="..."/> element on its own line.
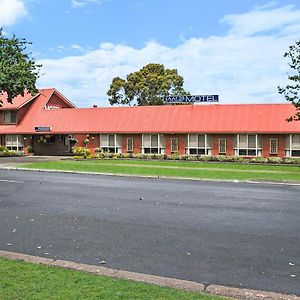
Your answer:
<point x="209" y="118"/>
<point x="18" y="101"/>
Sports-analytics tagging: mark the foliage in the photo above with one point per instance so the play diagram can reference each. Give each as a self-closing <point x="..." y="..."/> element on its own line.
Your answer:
<point x="5" y="152"/>
<point x="291" y="92"/>
<point x="100" y="154"/>
<point x="148" y="86"/>
<point x="81" y="152"/>
<point x="30" y="149"/>
<point x="86" y="142"/>
<point x="18" y="71"/>
<point x="73" y="141"/>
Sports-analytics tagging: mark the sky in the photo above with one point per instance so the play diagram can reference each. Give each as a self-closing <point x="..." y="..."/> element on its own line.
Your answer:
<point x="226" y="47"/>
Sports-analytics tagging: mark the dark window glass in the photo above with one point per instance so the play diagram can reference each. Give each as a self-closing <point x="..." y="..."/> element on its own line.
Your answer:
<point x="251" y="152"/>
<point x="295" y="152"/>
<point x="242" y="152"/>
<point x="193" y="151"/>
<point x="13" y="116"/>
<point x="201" y="151"/>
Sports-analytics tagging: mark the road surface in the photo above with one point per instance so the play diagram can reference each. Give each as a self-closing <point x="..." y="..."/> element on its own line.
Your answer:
<point x="233" y="234"/>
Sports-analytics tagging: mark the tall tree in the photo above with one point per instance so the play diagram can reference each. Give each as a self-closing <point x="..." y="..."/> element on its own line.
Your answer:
<point x="18" y="70"/>
<point x="148" y="86"/>
<point x="292" y="90"/>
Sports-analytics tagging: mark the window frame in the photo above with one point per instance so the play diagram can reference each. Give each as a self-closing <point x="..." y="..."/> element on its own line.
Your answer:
<point x="115" y="148"/>
<point x="9" y="112"/>
<point x="130" y="149"/>
<point x="272" y="151"/>
<point x="159" y="149"/>
<point x="290" y="148"/>
<point x="225" y="146"/>
<point x="17" y="145"/>
<point x="197" y="150"/>
<point x="174" y="150"/>
<point x="248" y="151"/>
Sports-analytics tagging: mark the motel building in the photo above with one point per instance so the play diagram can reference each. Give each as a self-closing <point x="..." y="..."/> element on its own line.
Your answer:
<point x="48" y="122"/>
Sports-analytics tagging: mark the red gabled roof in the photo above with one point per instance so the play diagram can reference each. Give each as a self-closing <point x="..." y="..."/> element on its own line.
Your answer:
<point x="211" y="118"/>
<point x="18" y="101"/>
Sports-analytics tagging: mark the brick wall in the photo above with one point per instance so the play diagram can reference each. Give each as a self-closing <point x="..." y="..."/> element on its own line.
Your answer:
<point x="56" y="101"/>
<point x="137" y="142"/>
<point x="58" y="148"/>
<point x="266" y="145"/>
<point x="94" y="141"/>
<point x="181" y="143"/>
<point x="229" y="143"/>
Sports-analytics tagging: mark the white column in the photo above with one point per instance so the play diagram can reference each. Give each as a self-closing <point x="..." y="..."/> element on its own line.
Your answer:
<point x="158" y="141"/>
<point x="256" y="144"/>
<point x="188" y="144"/>
<point x="238" y="144"/>
<point x="291" y="144"/>
<point x="142" y="143"/>
<point x="205" y="143"/>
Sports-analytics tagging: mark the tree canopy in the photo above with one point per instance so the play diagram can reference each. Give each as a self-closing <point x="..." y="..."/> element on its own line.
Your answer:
<point x="148" y="86"/>
<point x="291" y="91"/>
<point x="18" y="71"/>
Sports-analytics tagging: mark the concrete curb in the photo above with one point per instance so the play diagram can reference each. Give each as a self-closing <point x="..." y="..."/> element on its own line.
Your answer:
<point x="235" y="293"/>
<point x="153" y="177"/>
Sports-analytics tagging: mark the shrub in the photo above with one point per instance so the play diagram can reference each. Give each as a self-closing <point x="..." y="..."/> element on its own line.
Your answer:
<point x="30" y="149"/>
<point x="275" y="160"/>
<point x="192" y="158"/>
<point x="81" y="151"/>
<point x="5" y="152"/>
<point x="258" y="160"/>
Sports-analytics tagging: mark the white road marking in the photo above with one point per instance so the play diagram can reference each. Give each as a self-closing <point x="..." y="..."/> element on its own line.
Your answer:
<point x="11" y="181"/>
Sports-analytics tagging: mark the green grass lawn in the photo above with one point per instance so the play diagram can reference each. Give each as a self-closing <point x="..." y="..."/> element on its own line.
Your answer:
<point x="199" y="170"/>
<point x="25" y="281"/>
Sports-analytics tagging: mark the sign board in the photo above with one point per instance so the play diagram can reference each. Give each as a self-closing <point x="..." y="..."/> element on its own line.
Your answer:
<point x="52" y="107"/>
<point x="191" y="99"/>
<point x="42" y="128"/>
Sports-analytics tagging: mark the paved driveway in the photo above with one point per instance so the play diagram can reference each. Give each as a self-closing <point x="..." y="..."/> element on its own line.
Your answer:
<point x="231" y="234"/>
<point x="13" y="161"/>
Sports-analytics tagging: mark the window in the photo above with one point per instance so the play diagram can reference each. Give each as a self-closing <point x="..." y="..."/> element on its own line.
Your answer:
<point x="174" y="145"/>
<point x="198" y="144"/>
<point x="14" y="142"/>
<point x="248" y="145"/>
<point x="273" y="146"/>
<point x="153" y="144"/>
<point x="130" y="145"/>
<point x="46" y="139"/>
<point x="49" y="139"/>
<point x="111" y="143"/>
<point x="292" y="145"/>
<point x="10" y="117"/>
<point x="222" y="146"/>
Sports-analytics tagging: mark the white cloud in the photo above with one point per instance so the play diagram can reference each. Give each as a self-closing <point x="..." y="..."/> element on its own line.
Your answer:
<point x="81" y="3"/>
<point x="245" y="65"/>
<point x="262" y="20"/>
<point x="11" y="11"/>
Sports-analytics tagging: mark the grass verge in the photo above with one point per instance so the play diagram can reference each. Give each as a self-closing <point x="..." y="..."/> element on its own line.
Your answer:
<point x="198" y="170"/>
<point x="20" y="280"/>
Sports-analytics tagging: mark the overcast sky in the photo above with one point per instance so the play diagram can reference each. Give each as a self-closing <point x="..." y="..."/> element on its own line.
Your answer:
<point x="226" y="47"/>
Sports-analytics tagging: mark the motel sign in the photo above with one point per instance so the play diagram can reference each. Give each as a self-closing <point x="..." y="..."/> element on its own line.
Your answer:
<point x="191" y="99"/>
